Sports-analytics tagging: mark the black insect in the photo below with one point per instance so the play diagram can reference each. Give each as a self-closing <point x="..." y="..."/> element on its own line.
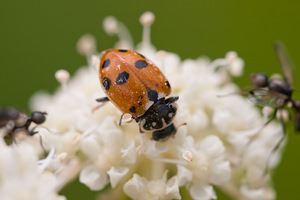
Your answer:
<point x="13" y="121"/>
<point x="277" y="93"/>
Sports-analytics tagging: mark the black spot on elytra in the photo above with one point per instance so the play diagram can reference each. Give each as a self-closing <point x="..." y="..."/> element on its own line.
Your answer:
<point x="167" y="84"/>
<point x="142" y="56"/>
<point x="152" y="95"/>
<point x="106" y="63"/>
<point x="123" y="50"/>
<point x="132" y="109"/>
<point x="140" y="64"/>
<point x="122" y="78"/>
<point x="156" y="84"/>
<point x="106" y="83"/>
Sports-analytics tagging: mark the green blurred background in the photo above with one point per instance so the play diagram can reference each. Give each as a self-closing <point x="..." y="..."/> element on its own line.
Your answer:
<point x="39" y="37"/>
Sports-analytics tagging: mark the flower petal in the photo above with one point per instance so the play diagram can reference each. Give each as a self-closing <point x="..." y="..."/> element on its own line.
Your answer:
<point x="199" y="192"/>
<point x="153" y="149"/>
<point x="135" y="187"/>
<point x="90" y="147"/>
<point x="92" y="178"/>
<point x="129" y="152"/>
<point x="221" y="173"/>
<point x="184" y="175"/>
<point x="253" y="194"/>
<point x="116" y="174"/>
<point x="172" y="189"/>
<point x="212" y="146"/>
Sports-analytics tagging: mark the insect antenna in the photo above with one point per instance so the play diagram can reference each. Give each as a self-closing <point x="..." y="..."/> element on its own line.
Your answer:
<point x="242" y="93"/>
<point x="180" y="125"/>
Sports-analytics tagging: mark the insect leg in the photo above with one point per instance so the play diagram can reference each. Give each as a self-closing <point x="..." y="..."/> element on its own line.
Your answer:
<point x="272" y="118"/>
<point x="120" y="121"/>
<point x="126" y="118"/>
<point x="172" y="99"/>
<point x="100" y="100"/>
<point x="276" y="147"/>
<point x="296" y="109"/>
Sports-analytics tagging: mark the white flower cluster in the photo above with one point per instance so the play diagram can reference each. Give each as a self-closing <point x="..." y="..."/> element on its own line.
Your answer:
<point x="222" y="144"/>
<point x="23" y="176"/>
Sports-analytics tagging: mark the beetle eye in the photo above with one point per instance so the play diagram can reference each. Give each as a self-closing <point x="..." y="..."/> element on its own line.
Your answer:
<point x="38" y="117"/>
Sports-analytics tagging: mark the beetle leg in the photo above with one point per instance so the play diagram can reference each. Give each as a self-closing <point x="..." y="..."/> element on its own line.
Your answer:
<point x="172" y="99"/>
<point x="101" y="100"/>
<point x="126" y="118"/>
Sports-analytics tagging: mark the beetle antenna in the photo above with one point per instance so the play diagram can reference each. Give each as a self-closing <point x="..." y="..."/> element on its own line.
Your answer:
<point x="183" y="124"/>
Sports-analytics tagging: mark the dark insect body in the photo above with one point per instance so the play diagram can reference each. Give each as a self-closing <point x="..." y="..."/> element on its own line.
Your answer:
<point x="13" y="121"/>
<point x="276" y="93"/>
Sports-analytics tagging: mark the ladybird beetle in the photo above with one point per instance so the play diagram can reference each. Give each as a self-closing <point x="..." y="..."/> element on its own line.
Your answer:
<point x="137" y="87"/>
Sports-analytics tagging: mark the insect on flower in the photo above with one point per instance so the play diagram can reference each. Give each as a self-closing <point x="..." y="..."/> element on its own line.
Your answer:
<point x="276" y="93"/>
<point x="137" y="87"/>
<point x="14" y="121"/>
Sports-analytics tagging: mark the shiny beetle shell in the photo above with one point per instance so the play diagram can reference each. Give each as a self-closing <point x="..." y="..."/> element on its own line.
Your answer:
<point x="131" y="81"/>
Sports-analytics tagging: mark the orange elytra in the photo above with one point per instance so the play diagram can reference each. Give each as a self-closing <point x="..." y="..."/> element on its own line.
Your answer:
<point x="137" y="87"/>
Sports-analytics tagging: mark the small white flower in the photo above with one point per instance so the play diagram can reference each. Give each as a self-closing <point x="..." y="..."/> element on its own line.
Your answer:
<point x="199" y="192"/>
<point x="92" y="178"/>
<point x="21" y="177"/>
<point x="140" y="188"/>
<point x="147" y="18"/>
<point x="108" y="153"/>
<point x="235" y="65"/>
<point x="110" y="25"/>
<point x="207" y="166"/>
<point x="116" y="174"/>
<point x="62" y="75"/>
<point x="253" y="194"/>
<point x="86" y="45"/>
